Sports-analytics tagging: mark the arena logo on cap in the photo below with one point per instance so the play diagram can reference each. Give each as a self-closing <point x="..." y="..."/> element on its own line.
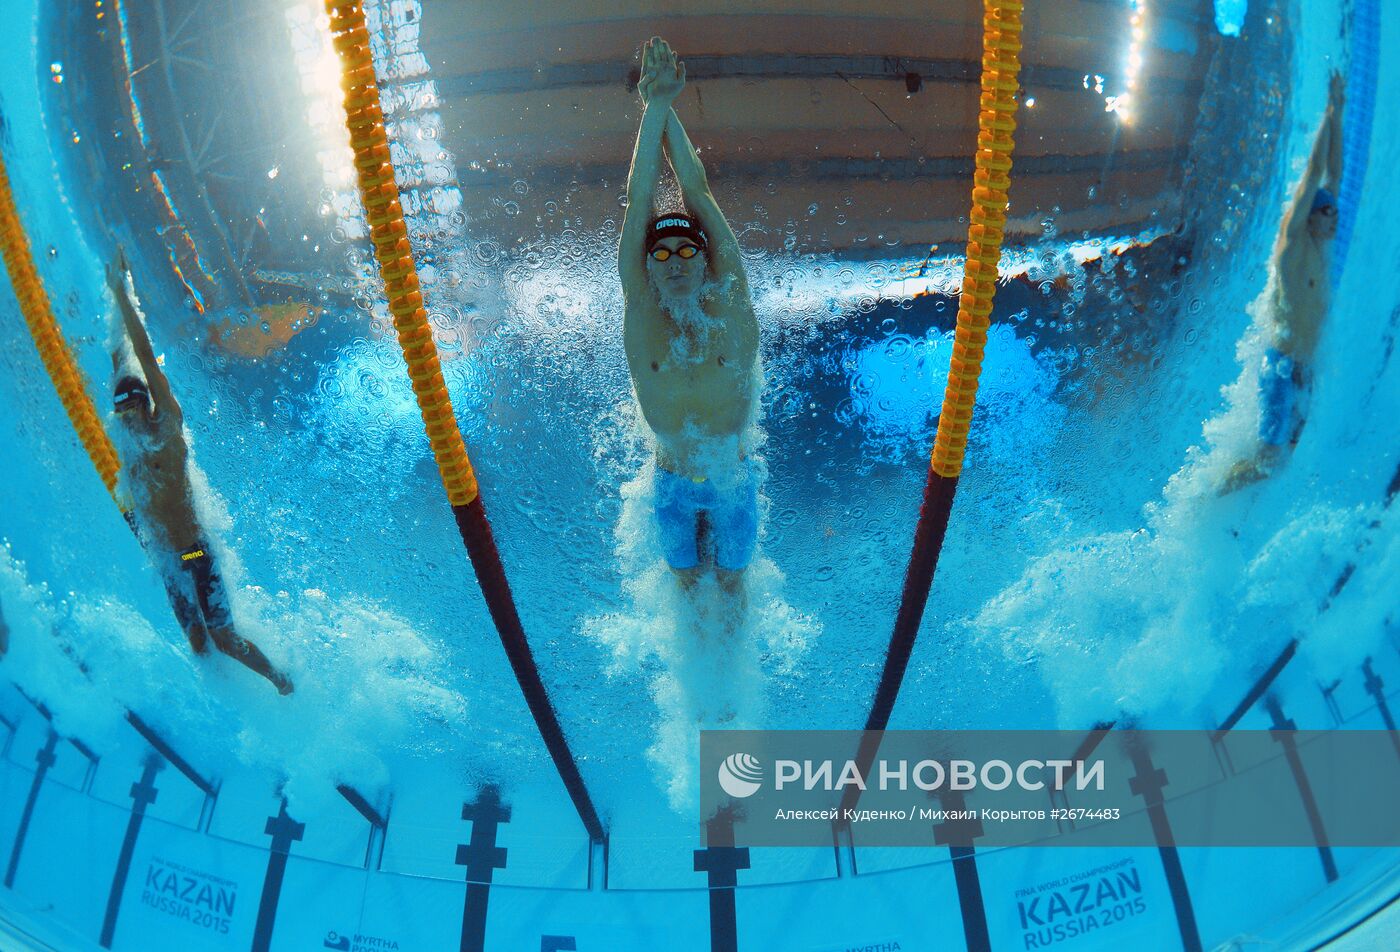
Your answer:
<point x="673" y="223"/>
<point x="740" y="775"/>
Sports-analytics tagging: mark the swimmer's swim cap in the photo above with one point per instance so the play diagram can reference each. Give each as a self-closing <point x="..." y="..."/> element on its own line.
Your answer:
<point x="1323" y="199"/>
<point x="130" y="390"/>
<point x="674" y="225"/>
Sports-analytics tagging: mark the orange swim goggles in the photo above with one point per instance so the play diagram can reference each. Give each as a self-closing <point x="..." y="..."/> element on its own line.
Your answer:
<point x="684" y="251"/>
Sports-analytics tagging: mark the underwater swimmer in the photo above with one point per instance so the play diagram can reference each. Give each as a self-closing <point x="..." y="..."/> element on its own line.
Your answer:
<point x="691" y="339"/>
<point x="154" y="464"/>
<point x="1297" y="300"/>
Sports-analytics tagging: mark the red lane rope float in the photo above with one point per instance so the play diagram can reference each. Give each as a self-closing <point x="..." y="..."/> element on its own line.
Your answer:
<point x="53" y="350"/>
<point x="364" y="117"/>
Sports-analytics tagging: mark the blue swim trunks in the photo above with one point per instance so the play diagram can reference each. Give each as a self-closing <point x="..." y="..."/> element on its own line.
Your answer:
<point x="1279" y="379"/>
<point x="731" y="516"/>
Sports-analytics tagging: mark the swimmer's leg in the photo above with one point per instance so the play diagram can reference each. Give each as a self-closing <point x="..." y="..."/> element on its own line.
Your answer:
<point x="1247" y="472"/>
<point x="179" y="590"/>
<point x="250" y="656"/>
<point x="736" y="539"/>
<point x="688" y="578"/>
<point x="213" y="605"/>
<point x="731" y="583"/>
<point x="1280" y="420"/>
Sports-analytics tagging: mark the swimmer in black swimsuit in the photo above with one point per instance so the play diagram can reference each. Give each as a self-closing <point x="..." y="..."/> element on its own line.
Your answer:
<point x="154" y="459"/>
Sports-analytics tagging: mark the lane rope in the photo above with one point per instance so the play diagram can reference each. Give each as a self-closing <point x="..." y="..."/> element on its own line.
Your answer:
<point x="364" y="117"/>
<point x="996" y="124"/>
<point x="58" y="360"/>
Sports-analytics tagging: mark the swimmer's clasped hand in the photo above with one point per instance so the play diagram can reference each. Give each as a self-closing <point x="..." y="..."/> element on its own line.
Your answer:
<point x="663" y="74"/>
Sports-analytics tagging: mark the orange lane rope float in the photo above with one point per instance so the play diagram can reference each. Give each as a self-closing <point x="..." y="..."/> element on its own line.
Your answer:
<point x="1001" y="62"/>
<point x="53" y="350"/>
<point x="365" y="119"/>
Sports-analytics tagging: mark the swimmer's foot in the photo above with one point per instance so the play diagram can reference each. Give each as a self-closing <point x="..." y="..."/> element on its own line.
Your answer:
<point x="706" y="721"/>
<point x="281" y="682"/>
<point x="1246" y="472"/>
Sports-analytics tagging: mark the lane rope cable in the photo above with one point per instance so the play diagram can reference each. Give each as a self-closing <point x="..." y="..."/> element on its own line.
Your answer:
<point x="364" y="117"/>
<point x="996" y="123"/>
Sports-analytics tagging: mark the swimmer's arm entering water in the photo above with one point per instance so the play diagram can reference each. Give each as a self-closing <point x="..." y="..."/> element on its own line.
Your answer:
<point x="657" y="95"/>
<point x="119" y="280"/>
<point x="1336" y="100"/>
<point x="1300" y="260"/>
<point x="695" y="190"/>
<point x="1326" y="160"/>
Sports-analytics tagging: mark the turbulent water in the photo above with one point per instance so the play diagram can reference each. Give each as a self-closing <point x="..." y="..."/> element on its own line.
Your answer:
<point x="1091" y="571"/>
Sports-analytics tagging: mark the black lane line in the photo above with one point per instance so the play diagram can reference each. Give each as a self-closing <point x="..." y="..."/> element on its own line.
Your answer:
<point x="958" y="835"/>
<point x="143" y="794"/>
<point x="45" y="759"/>
<point x="1148" y="784"/>
<point x="1284" y="733"/>
<point x="1375" y="687"/>
<point x="482" y="857"/>
<point x="721" y="861"/>
<point x="284" y="832"/>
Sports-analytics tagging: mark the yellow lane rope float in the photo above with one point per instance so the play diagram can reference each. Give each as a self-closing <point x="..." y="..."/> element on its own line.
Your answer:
<point x="1001" y="62"/>
<point x="1001" y="52"/>
<point x="58" y="360"/>
<point x="380" y="194"/>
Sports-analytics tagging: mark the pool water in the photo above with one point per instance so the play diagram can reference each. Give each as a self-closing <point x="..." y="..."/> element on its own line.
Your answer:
<point x="1091" y="573"/>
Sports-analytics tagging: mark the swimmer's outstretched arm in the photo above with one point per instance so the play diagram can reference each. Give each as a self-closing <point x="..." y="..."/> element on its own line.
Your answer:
<point x="657" y="95"/>
<point x="119" y="280"/>
<point x="1335" y="102"/>
<point x="1326" y="160"/>
<point x="695" y="188"/>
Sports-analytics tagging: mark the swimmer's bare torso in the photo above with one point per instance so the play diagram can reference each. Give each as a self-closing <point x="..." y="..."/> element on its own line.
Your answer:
<point x="1302" y="251"/>
<point x="159" y="482"/>
<point x="1302" y="295"/>
<point x="696" y="386"/>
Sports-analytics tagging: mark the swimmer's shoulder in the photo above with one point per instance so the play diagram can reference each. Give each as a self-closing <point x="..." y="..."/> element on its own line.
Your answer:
<point x="736" y="313"/>
<point x="645" y="338"/>
<point x="642" y="318"/>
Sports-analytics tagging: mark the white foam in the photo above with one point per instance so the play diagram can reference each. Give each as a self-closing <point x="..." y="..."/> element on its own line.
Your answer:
<point x="1166" y="624"/>
<point x="88" y="658"/>
<point x="369" y="688"/>
<point x="706" y="658"/>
